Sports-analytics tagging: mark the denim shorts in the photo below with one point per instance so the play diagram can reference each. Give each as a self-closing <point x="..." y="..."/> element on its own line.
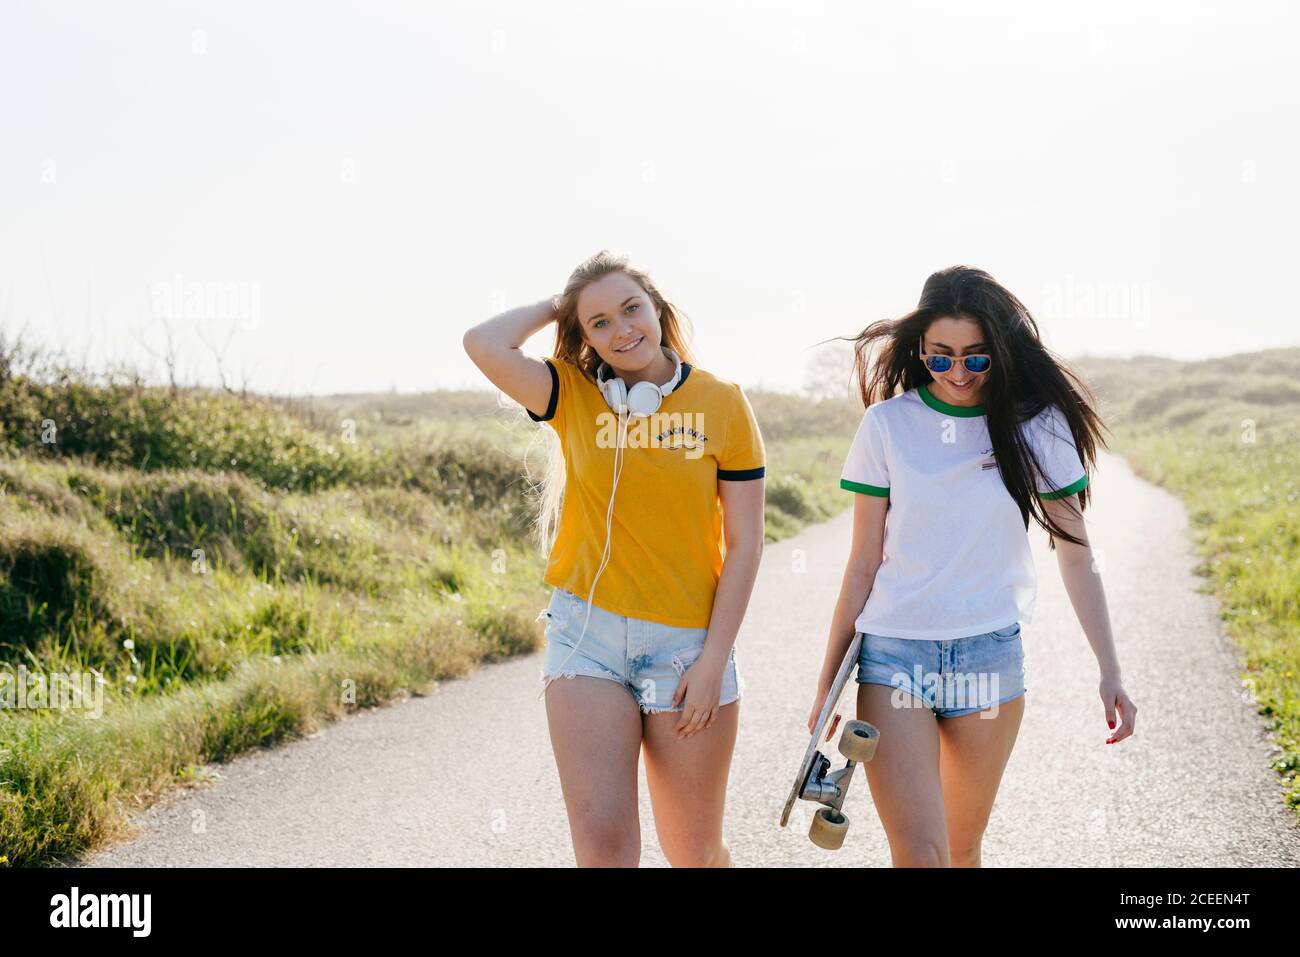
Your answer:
<point x="645" y="657"/>
<point x="955" y="677"/>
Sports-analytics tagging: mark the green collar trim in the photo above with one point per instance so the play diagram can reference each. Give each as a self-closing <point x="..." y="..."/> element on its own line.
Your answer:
<point x="965" y="411"/>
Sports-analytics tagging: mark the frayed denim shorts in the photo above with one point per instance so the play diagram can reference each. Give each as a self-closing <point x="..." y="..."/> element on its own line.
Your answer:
<point x="645" y="657"/>
<point x="951" y="678"/>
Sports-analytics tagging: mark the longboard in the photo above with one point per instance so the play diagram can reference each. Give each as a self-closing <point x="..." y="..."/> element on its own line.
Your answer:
<point x="815" y="781"/>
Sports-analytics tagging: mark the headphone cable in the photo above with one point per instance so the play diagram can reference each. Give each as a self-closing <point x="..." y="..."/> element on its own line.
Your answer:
<point x="606" y="552"/>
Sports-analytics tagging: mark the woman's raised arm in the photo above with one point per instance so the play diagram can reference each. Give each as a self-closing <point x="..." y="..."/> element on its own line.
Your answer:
<point x="494" y="346"/>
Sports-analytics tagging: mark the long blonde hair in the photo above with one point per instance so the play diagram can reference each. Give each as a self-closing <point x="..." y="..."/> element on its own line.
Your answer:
<point x="572" y="348"/>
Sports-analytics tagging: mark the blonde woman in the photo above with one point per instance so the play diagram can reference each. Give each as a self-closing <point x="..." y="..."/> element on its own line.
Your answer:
<point x="971" y="427"/>
<point x="653" y="549"/>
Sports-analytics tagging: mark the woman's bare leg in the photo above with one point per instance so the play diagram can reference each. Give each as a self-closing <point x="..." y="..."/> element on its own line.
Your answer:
<point x="973" y="752"/>
<point x="595" y="728"/>
<point x="688" y="786"/>
<point x="904" y="777"/>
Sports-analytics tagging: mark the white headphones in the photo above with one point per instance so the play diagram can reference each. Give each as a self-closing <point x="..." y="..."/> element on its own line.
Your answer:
<point x="643" y="399"/>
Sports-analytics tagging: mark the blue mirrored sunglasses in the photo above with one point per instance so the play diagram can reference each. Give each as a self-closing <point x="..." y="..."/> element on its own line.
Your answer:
<point x="940" y="363"/>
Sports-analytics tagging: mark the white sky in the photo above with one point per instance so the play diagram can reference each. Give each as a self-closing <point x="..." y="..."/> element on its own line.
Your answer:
<point x="379" y="176"/>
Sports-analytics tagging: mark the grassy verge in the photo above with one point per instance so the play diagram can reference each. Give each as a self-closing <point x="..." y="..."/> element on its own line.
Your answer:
<point x="298" y="608"/>
<point x="803" y="483"/>
<point x="1224" y="435"/>
<point x="1244" y="505"/>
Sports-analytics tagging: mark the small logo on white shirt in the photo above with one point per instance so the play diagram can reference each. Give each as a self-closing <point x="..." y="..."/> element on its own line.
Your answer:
<point x="991" y="463"/>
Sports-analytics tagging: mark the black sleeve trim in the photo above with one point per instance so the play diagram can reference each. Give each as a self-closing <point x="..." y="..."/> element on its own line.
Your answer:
<point x="741" y="475"/>
<point x="555" y="395"/>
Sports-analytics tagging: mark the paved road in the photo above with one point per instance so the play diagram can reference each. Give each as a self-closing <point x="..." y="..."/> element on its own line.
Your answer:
<point x="465" y="775"/>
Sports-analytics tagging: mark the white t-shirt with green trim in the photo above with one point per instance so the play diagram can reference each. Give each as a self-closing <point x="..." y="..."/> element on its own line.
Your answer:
<point x="957" y="559"/>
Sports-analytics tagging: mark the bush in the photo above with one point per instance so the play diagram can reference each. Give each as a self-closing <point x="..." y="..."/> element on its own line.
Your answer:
<point x="789" y="494"/>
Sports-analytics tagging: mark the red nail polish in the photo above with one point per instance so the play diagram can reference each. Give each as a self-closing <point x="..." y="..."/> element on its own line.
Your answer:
<point x="1111" y="725"/>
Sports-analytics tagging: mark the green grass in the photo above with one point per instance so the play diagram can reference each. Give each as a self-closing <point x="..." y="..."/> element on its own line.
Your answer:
<point x="301" y="608"/>
<point x="803" y="483"/>
<point x="1224" y="436"/>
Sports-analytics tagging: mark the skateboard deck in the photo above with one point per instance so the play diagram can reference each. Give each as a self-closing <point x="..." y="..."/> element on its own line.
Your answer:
<point x="813" y="782"/>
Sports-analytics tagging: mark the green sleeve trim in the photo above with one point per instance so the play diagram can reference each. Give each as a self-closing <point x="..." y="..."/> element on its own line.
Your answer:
<point x="1068" y="490"/>
<point x="865" y="489"/>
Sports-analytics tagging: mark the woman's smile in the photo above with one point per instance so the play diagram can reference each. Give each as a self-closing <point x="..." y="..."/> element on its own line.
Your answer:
<point x="632" y="345"/>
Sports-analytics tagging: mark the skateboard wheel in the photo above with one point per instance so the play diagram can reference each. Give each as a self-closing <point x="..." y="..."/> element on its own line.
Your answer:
<point x="858" y="741"/>
<point x="828" y="829"/>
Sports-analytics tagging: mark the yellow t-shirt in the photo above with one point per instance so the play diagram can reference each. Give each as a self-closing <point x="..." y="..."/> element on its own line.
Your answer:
<point x="666" y="545"/>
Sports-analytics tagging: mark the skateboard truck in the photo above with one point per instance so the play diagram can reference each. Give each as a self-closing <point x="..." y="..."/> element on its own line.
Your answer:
<point x="830" y="824"/>
<point x="822" y="787"/>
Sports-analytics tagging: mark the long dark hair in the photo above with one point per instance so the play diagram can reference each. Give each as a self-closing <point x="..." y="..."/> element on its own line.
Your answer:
<point x="1025" y="377"/>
